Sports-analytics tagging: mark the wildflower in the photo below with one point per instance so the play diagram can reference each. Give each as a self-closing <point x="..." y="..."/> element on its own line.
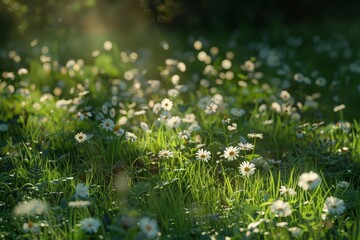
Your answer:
<point x="249" y="66"/>
<point x="31" y="227"/>
<point x="174" y="122"/>
<point x="203" y="155"/>
<point x="118" y="131"/>
<point x="246" y="146"/>
<point x="145" y="127"/>
<point x="300" y="133"/>
<point x="84" y="115"/>
<point x="280" y="208"/>
<point x="107" y="124"/>
<point x="247" y="169"/>
<point x="285" y="95"/>
<point x="81" y="190"/>
<point x="79" y="203"/>
<point x="105" y="109"/>
<point x="165" y="154"/>
<point x="237" y="112"/>
<point x="185" y="134"/>
<point x="3" y="127"/>
<point x="90" y="225"/>
<point x="282" y="224"/>
<point x="308" y="181"/>
<point x="342" y="184"/>
<point x="211" y="108"/>
<point x="164" y="116"/>
<point x="295" y="231"/>
<point x="130" y="136"/>
<point x="225" y="120"/>
<point x="149" y="227"/>
<point x="232" y="127"/>
<point x="166" y="104"/>
<point x="285" y="190"/>
<point x="334" y="205"/>
<point x="112" y="112"/>
<point x="156" y="108"/>
<point x="320" y="81"/>
<point x="231" y="153"/>
<point x="32" y="207"/>
<point x="255" y="135"/>
<point x="80" y="137"/>
<point x="339" y="108"/>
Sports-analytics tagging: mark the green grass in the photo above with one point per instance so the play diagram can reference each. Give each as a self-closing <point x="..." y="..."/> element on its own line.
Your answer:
<point x="189" y="199"/>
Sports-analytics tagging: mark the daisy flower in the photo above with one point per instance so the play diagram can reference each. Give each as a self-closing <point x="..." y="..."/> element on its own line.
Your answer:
<point x="81" y="190"/>
<point x="118" y="131"/>
<point x="130" y="136"/>
<point x="90" y="225"/>
<point x="295" y="231"/>
<point x="31" y="227"/>
<point x="80" y="137"/>
<point x="334" y="205"/>
<point x="78" y="203"/>
<point x="211" y="108"/>
<point x="166" y="104"/>
<point x="184" y="134"/>
<point x="3" y="127"/>
<point x="255" y="135"/>
<point x="149" y="227"/>
<point x="285" y="190"/>
<point x="308" y="181"/>
<point x="107" y="124"/>
<point x="203" y="155"/>
<point x="232" y="127"/>
<point x="145" y="127"/>
<point x="281" y="208"/>
<point x="32" y="207"/>
<point x="165" y="154"/>
<point x="246" y="146"/>
<point x="247" y="169"/>
<point x="342" y="184"/>
<point x="231" y="153"/>
<point x="225" y="120"/>
<point x="156" y="108"/>
<point x="174" y="122"/>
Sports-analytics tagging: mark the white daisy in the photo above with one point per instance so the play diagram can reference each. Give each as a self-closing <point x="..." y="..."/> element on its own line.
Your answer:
<point x="246" y="146"/>
<point x="165" y="154"/>
<point x="334" y="205"/>
<point x="342" y="184"/>
<point x="295" y="231"/>
<point x="231" y="153"/>
<point x="149" y="227"/>
<point x="80" y="137"/>
<point x="166" y="104"/>
<point x="81" y="190"/>
<point x="130" y="136"/>
<point x="285" y="190"/>
<point x="308" y="181"/>
<point x="174" y="122"/>
<point x="90" y="225"/>
<point x="203" y="155"/>
<point x="247" y="169"/>
<point x="156" y="108"/>
<point x="211" y="108"/>
<point x="107" y="124"/>
<point x="31" y="227"/>
<point x="280" y="208"/>
<point x="31" y="207"/>
<point x="255" y="135"/>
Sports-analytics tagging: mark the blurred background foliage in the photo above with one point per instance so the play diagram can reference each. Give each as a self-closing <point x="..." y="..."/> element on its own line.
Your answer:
<point x="63" y="18"/>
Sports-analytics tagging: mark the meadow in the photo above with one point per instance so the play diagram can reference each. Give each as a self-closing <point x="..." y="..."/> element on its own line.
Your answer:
<point x="232" y="140"/>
